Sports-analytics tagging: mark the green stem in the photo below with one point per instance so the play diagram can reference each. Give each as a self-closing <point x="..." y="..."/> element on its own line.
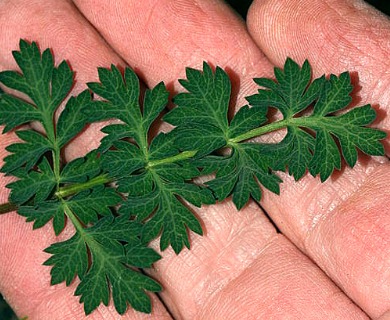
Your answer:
<point x="260" y="131"/>
<point x="7" y="207"/>
<point x="99" y="180"/>
<point x="78" y="187"/>
<point x="179" y="157"/>
<point x="102" y="179"/>
<point x="56" y="165"/>
<point x="71" y="216"/>
<point x="48" y="124"/>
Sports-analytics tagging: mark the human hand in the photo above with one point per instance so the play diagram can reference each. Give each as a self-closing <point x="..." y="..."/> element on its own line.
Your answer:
<point x="331" y="260"/>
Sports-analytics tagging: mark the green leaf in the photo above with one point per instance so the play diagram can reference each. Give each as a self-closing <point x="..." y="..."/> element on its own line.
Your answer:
<point x="326" y="156"/>
<point x="201" y="120"/>
<point x="14" y="112"/>
<point x="141" y="206"/>
<point x="122" y="102"/>
<point x="43" y="212"/>
<point x="160" y="206"/>
<point x="110" y="270"/>
<point x="46" y="85"/>
<point x="292" y="92"/>
<point x="172" y="185"/>
<point x="114" y="132"/>
<point x="139" y="185"/>
<point x="312" y="139"/>
<point x="69" y="260"/>
<point x="72" y="120"/>
<point x="25" y="154"/>
<point x="201" y="115"/>
<point x="157" y="196"/>
<point x="87" y="205"/>
<point x="61" y="84"/>
<point x="154" y="103"/>
<point x="207" y="100"/>
<point x="247" y="119"/>
<point x="242" y="173"/>
<point x="162" y="146"/>
<point x="121" y="95"/>
<point x="140" y="256"/>
<point x="171" y="218"/>
<point x="296" y="151"/>
<point x="334" y="95"/>
<point x="42" y="180"/>
<point x="82" y="169"/>
<point x="124" y="160"/>
<point x="150" y="173"/>
<point x="205" y="139"/>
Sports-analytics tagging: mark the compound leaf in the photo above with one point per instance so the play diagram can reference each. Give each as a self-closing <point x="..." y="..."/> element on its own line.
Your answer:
<point x="149" y="172"/>
<point x="137" y="185"/>
<point x="318" y="151"/>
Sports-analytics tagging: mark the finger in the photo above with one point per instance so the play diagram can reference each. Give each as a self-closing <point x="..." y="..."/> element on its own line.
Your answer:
<point x="242" y="268"/>
<point x="23" y="280"/>
<point x="170" y="35"/>
<point x="344" y="224"/>
<point x="213" y="33"/>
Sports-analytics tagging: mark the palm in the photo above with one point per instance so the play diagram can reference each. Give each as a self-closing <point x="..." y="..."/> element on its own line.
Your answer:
<point x="331" y="259"/>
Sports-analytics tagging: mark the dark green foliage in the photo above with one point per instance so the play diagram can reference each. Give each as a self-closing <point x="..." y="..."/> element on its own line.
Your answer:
<point x="72" y="120"/>
<point x="47" y="189"/>
<point x="318" y="152"/>
<point x="246" y="119"/>
<point x="137" y="186"/>
<point x="241" y="172"/>
<point x="168" y="183"/>
<point x="82" y="169"/>
<point x="27" y="153"/>
<point x="110" y="269"/>
<point x="42" y="179"/>
<point x="46" y="85"/>
<point x="201" y="114"/>
<point x="43" y="212"/>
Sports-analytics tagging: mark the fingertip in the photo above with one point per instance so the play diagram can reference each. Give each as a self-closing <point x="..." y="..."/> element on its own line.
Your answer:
<point x="330" y="33"/>
<point x="273" y="25"/>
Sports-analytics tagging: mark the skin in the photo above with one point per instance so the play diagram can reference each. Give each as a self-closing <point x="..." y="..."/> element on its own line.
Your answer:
<point x="331" y="259"/>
